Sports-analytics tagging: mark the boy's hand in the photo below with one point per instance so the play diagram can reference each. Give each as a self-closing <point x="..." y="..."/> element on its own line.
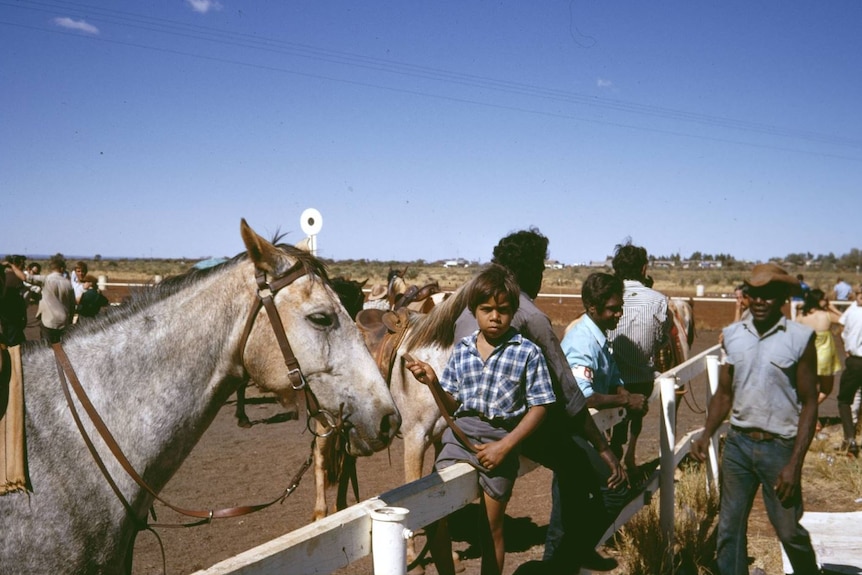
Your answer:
<point x="490" y="455"/>
<point x="423" y="372"/>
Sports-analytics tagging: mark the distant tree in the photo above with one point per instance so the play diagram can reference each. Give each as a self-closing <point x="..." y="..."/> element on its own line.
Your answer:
<point x="97" y="258"/>
<point x="828" y="259"/>
<point x="851" y="260"/>
<point x="796" y="259"/>
<point x="696" y="256"/>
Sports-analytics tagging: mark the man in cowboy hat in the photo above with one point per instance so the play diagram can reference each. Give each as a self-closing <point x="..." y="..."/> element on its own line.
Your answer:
<point x="769" y="379"/>
<point x="377" y="298"/>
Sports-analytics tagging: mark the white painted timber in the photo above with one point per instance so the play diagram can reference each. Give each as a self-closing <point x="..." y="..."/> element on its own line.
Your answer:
<point x="837" y="540"/>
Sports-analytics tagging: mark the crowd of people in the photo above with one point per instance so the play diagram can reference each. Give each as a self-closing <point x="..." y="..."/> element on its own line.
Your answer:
<point x="60" y="298"/>
<point x="775" y="374"/>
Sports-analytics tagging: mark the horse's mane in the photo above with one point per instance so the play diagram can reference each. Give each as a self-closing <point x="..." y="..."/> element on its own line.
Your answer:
<point x="437" y="327"/>
<point x="141" y="299"/>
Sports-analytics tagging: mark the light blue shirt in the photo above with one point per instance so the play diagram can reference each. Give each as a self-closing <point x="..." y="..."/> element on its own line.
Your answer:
<point x="843" y="291"/>
<point x="590" y="358"/>
<point x="764" y="375"/>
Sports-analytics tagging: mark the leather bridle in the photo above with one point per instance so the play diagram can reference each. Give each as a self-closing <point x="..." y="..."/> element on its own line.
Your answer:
<point x="265" y="298"/>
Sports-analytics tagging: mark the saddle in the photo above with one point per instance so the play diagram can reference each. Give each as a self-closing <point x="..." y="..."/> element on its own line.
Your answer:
<point x="383" y="332"/>
<point x="418" y="299"/>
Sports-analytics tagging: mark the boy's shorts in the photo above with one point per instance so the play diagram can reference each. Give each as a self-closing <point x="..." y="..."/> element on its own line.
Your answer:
<point x="497" y="483"/>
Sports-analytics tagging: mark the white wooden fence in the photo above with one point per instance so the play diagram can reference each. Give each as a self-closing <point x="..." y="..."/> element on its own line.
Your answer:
<point x="346" y="536"/>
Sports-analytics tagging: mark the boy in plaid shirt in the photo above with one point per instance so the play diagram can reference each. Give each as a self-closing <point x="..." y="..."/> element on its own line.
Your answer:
<point x="498" y="386"/>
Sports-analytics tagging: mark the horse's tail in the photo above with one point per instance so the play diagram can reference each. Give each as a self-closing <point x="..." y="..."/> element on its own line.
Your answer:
<point x="437" y="327"/>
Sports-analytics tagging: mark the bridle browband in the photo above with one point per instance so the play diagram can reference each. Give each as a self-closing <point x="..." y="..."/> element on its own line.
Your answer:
<point x="265" y="298"/>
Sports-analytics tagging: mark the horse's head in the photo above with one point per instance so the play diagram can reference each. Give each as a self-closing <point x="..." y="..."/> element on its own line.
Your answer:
<point x="350" y="293"/>
<point x="337" y="368"/>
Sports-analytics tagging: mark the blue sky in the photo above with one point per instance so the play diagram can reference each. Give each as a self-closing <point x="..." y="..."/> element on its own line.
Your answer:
<point x="428" y="130"/>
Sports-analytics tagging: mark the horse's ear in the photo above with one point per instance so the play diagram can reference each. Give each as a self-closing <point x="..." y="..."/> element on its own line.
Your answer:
<point x="262" y="253"/>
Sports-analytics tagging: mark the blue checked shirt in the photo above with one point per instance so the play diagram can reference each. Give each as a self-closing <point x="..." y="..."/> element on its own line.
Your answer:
<point x="514" y="378"/>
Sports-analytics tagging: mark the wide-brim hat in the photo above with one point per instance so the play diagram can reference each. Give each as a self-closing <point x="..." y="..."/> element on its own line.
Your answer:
<point x="765" y="274"/>
<point x="377" y="292"/>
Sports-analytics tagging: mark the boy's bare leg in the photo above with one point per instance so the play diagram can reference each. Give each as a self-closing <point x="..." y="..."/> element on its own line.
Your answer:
<point x="493" y="544"/>
<point x="441" y="546"/>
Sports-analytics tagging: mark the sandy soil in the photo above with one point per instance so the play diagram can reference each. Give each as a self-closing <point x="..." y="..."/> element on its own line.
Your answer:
<point x="233" y="466"/>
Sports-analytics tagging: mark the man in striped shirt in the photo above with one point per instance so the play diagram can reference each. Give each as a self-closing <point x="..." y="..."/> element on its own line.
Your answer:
<point x="641" y="332"/>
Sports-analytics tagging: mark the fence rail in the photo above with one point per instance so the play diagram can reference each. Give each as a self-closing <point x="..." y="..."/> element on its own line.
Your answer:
<point x="346" y="536"/>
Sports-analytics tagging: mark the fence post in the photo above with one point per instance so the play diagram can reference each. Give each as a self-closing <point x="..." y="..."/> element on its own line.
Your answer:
<point x="389" y="540"/>
<point x="712" y="364"/>
<point x="667" y="465"/>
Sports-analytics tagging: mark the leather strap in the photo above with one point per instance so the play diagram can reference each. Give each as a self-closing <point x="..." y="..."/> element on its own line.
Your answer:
<point x="65" y="369"/>
<point x="438" y="392"/>
<point x="265" y="298"/>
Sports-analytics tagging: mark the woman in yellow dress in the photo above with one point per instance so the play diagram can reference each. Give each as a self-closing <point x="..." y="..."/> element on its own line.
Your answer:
<point x="819" y="315"/>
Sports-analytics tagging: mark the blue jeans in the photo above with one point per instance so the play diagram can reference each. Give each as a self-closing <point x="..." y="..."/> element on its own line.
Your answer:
<point x="746" y="465"/>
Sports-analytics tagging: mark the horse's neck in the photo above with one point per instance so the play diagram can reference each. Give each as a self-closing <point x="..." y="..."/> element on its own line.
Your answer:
<point x="163" y="372"/>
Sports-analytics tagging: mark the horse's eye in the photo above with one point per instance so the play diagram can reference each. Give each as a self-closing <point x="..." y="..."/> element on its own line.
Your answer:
<point x="321" y="319"/>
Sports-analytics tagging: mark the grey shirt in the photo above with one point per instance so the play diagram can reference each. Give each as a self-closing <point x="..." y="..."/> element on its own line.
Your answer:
<point x="533" y="324"/>
<point x="764" y="375"/>
<point x="57" y="305"/>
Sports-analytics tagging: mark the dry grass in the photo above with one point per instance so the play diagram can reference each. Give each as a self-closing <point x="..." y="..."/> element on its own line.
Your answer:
<point x="642" y="547"/>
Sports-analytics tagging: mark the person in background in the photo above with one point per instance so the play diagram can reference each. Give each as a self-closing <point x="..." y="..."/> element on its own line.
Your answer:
<point x="592" y="360"/>
<point x="818" y="314"/>
<point x="768" y="385"/>
<point x="804" y="288"/>
<point x="851" y="378"/>
<point x="33" y="279"/>
<point x="92" y="300"/>
<point x="13" y="307"/>
<point x="842" y="291"/>
<point x="57" y="307"/>
<point x="498" y="388"/>
<point x="741" y="310"/>
<point x="377" y="298"/>
<point x="642" y="331"/>
<point x="77" y="279"/>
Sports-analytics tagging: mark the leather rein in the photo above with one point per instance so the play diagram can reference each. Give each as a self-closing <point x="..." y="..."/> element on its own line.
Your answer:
<point x="265" y="298"/>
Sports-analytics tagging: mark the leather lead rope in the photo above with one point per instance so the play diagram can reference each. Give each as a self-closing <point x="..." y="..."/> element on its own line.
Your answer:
<point x="207" y="515"/>
<point x="438" y="392"/>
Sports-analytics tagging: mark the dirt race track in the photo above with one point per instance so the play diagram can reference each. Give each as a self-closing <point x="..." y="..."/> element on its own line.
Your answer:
<point x="233" y="466"/>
